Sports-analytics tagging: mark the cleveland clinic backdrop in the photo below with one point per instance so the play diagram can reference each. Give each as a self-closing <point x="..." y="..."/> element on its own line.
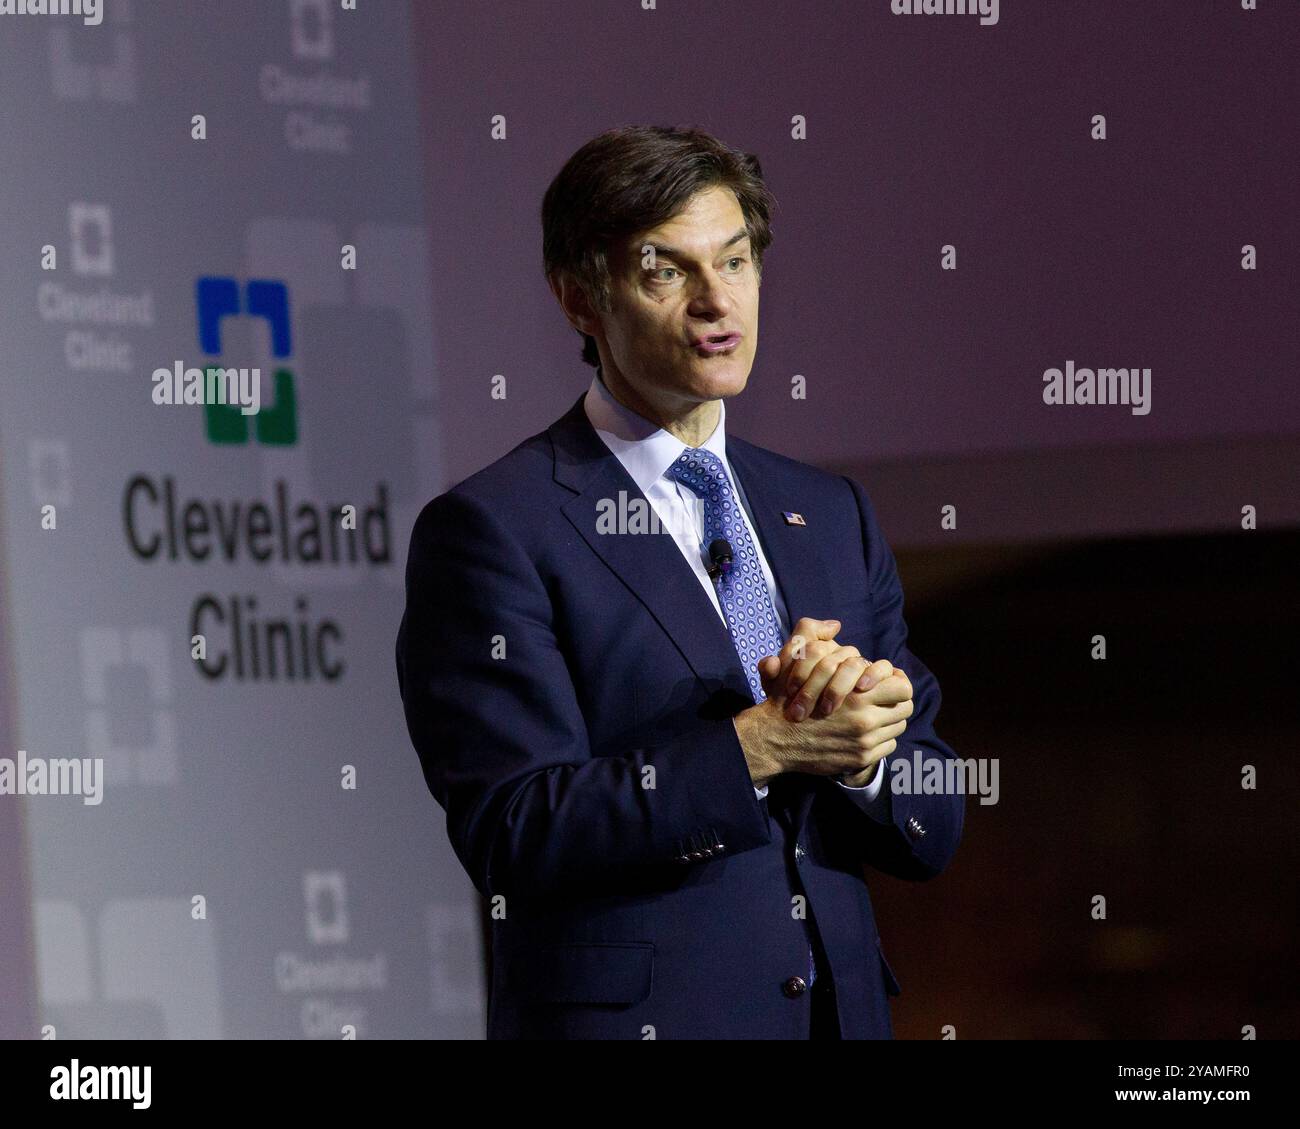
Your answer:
<point x="203" y="599"/>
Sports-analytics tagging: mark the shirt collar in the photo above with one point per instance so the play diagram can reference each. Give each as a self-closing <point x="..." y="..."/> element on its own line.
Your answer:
<point x="644" y="448"/>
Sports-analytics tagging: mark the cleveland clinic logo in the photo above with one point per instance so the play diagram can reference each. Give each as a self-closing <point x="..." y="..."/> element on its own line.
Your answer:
<point x="218" y="298"/>
<point x="327" y="981"/>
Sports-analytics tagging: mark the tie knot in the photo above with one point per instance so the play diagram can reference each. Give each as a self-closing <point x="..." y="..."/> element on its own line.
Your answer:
<point x="702" y="471"/>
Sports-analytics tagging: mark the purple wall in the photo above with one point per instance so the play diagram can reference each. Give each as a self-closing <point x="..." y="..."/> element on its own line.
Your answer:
<point x="922" y="131"/>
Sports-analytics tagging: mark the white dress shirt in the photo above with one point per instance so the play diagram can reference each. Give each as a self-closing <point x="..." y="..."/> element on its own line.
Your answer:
<point x="647" y="451"/>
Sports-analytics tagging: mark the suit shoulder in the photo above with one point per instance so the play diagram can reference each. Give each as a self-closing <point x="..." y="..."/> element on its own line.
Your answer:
<point x="511" y="481"/>
<point x="802" y="473"/>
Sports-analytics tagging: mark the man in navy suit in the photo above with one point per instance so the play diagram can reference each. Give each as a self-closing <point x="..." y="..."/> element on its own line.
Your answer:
<point x="667" y="785"/>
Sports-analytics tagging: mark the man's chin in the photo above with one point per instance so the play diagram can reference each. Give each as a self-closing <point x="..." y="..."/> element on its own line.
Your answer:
<point x="729" y="385"/>
<point x="724" y="379"/>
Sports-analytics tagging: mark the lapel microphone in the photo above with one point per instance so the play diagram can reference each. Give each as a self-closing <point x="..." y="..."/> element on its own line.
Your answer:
<point x="720" y="555"/>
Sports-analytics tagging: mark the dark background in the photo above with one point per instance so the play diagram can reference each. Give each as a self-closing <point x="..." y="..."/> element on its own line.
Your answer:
<point x="1120" y="778"/>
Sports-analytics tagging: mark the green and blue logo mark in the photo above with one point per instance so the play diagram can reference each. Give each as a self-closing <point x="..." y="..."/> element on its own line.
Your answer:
<point x="218" y="298"/>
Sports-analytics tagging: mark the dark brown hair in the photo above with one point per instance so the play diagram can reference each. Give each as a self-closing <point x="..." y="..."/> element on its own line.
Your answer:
<point x="631" y="179"/>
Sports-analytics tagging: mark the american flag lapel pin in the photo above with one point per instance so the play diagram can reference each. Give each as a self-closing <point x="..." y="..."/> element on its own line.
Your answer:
<point x="793" y="519"/>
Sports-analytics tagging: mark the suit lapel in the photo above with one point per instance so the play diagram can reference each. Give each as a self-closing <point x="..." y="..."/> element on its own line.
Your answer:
<point x="649" y="564"/>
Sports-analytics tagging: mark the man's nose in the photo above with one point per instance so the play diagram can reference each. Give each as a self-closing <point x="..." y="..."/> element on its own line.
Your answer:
<point x="711" y="297"/>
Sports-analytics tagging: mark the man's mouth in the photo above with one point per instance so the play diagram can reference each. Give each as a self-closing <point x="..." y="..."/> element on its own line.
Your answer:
<point x="717" y="343"/>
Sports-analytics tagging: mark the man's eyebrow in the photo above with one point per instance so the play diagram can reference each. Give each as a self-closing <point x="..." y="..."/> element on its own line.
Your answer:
<point x="676" y="253"/>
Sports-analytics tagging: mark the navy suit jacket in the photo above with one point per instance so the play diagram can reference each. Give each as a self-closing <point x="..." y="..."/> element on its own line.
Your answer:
<point x="570" y="694"/>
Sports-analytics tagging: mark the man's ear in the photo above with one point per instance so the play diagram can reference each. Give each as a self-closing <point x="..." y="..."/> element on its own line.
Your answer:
<point x="574" y="302"/>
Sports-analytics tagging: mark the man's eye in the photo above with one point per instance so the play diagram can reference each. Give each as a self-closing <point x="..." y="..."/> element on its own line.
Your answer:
<point x="737" y="259"/>
<point x="660" y="271"/>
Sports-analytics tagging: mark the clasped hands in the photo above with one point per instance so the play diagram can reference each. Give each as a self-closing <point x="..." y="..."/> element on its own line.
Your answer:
<point x="828" y="711"/>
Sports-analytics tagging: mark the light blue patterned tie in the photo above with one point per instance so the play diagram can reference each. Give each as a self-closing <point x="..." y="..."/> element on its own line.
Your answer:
<point x="742" y="591"/>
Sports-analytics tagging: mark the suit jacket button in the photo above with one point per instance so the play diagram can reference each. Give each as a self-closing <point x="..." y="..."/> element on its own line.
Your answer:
<point x="798" y="852"/>
<point x="795" y="987"/>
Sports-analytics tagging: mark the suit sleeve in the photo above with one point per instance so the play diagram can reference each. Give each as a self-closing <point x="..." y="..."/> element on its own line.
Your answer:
<point x="923" y="832"/>
<point x="531" y="812"/>
<point x="872" y="798"/>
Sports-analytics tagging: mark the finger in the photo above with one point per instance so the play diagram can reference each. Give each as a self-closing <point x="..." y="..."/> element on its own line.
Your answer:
<point x="774" y="670"/>
<point x="780" y="687"/>
<point x="801" y="664"/>
<point x="807" y="633"/>
<point x="810" y="689"/>
<point x="900" y="712"/>
<point x="769" y="666"/>
<point x="791" y="652"/>
<point x="890" y="692"/>
<point x="804" y="653"/>
<point x="840" y="686"/>
<point x="816" y="628"/>
<point x="798" y="673"/>
<point x="876" y="672"/>
<point x="886" y="733"/>
<point x="879" y="752"/>
<point x="800" y="646"/>
<point x="865" y="758"/>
